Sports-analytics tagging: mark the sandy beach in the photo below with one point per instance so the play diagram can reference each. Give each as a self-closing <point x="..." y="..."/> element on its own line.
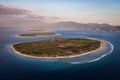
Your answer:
<point x="100" y="48"/>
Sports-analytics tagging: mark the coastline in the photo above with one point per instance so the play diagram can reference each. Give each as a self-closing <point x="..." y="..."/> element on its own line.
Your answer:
<point x="90" y="52"/>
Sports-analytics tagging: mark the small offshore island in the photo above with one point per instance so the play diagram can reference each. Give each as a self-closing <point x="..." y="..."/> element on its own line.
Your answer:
<point x="37" y="34"/>
<point x="38" y="30"/>
<point x="57" y="47"/>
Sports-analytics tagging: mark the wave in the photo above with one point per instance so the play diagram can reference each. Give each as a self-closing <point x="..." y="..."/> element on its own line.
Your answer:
<point x="106" y="49"/>
<point x="100" y="57"/>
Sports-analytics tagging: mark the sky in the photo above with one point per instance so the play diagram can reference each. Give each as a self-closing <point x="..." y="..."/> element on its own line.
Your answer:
<point x="83" y="11"/>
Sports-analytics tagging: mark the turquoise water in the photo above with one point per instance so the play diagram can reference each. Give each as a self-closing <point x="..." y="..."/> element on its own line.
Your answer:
<point x="16" y="67"/>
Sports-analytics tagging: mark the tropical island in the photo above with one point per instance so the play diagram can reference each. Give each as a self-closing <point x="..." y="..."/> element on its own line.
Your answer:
<point x="42" y="34"/>
<point x="57" y="47"/>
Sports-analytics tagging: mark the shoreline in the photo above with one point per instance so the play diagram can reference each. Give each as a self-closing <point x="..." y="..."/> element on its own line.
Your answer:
<point x="30" y="56"/>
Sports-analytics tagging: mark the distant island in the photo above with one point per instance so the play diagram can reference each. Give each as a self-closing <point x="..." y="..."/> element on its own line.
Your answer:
<point x="57" y="47"/>
<point x="38" y="30"/>
<point x="80" y="26"/>
<point x="37" y="34"/>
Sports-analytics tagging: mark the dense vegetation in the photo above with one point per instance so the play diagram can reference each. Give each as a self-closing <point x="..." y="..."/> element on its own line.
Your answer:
<point x="57" y="47"/>
<point x="38" y="34"/>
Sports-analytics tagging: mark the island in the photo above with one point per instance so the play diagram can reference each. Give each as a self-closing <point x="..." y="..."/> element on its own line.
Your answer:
<point x="57" y="47"/>
<point x="42" y="34"/>
<point x="39" y="30"/>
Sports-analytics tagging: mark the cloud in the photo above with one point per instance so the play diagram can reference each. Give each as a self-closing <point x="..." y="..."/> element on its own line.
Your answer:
<point x="12" y="11"/>
<point x="54" y="18"/>
<point x="10" y="16"/>
<point x="35" y="17"/>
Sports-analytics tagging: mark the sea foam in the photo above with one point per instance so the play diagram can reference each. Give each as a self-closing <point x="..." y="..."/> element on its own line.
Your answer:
<point x="109" y="48"/>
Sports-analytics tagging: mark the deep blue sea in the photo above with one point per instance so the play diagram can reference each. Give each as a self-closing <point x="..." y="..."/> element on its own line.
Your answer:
<point x="16" y="67"/>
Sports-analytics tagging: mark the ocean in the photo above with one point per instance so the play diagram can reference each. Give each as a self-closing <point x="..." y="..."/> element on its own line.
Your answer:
<point x="16" y="67"/>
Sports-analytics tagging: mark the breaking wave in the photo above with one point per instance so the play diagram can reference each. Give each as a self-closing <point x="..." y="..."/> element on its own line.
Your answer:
<point x="106" y="49"/>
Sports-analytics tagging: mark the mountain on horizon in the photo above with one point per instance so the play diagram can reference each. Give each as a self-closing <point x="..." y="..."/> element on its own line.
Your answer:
<point x="83" y="26"/>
